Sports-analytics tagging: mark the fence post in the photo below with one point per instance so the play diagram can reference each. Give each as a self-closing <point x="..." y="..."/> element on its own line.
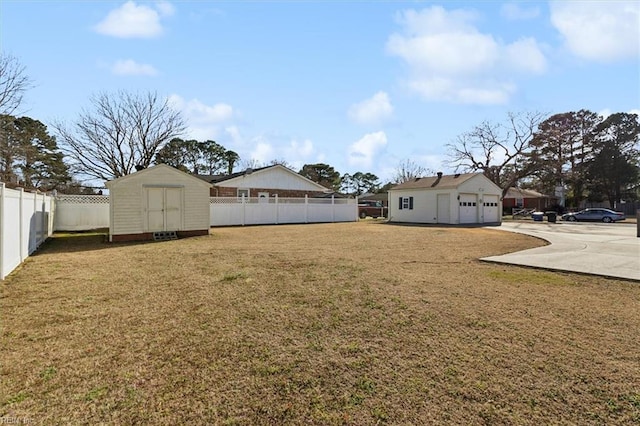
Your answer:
<point x="21" y="227"/>
<point x="34" y="244"/>
<point x="306" y="208"/>
<point x="333" y="209"/>
<point x="1" y="231"/>
<point x="277" y="210"/>
<point x="43" y="234"/>
<point x="244" y="211"/>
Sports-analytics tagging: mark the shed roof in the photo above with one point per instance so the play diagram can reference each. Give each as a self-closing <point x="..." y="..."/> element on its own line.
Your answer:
<point x="440" y="182"/>
<point x="155" y="169"/>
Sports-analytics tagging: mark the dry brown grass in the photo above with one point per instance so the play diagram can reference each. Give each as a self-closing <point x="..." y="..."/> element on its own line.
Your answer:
<point x="356" y="323"/>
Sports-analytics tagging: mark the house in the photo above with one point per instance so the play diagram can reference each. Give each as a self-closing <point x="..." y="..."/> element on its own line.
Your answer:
<point x="518" y="198"/>
<point x="158" y="203"/>
<point x="380" y="196"/>
<point x="449" y="199"/>
<point x="264" y="182"/>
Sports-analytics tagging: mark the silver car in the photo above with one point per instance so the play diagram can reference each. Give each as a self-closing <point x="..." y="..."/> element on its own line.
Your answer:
<point x="594" y="215"/>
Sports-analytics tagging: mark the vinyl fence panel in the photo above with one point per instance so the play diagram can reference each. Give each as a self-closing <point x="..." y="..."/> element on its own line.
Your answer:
<point x="81" y="212"/>
<point x="25" y="223"/>
<point x="227" y="211"/>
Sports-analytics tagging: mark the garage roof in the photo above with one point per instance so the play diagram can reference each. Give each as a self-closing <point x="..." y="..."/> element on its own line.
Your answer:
<point x="440" y="182"/>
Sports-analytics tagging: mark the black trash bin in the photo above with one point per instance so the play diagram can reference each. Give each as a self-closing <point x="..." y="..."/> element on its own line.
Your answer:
<point x="551" y="216"/>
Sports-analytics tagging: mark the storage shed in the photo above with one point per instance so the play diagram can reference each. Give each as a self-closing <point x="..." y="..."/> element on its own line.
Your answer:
<point x="158" y="203"/>
<point x="468" y="198"/>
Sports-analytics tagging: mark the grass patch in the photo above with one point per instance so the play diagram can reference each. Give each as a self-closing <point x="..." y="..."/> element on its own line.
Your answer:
<point x="357" y="323"/>
<point x="529" y="276"/>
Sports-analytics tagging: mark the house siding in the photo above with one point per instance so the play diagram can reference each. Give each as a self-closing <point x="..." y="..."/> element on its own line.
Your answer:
<point x="274" y="180"/>
<point x="128" y="205"/>
<point x="231" y="191"/>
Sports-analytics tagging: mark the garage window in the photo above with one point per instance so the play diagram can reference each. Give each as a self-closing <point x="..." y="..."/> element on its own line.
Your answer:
<point x="406" y="203"/>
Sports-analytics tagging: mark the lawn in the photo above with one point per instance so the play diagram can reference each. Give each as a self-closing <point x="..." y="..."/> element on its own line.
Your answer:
<point x="352" y="323"/>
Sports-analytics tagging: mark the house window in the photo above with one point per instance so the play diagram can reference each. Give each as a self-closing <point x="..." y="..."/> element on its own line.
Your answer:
<point x="519" y="202"/>
<point x="243" y="193"/>
<point x="406" y="203"/>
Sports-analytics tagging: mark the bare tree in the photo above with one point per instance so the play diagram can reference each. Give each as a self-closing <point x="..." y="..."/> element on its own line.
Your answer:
<point x="251" y="164"/>
<point x="121" y="132"/>
<point x="408" y="170"/>
<point x="502" y="151"/>
<point x="13" y="83"/>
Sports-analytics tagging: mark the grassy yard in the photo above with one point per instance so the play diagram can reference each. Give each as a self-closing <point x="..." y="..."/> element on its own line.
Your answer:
<point x="355" y="323"/>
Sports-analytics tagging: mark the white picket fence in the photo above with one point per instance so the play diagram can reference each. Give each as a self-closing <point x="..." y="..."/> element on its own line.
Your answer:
<point x="26" y="221"/>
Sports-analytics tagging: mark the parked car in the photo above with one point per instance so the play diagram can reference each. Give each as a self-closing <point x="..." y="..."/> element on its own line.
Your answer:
<point x="371" y="208"/>
<point x="594" y="215"/>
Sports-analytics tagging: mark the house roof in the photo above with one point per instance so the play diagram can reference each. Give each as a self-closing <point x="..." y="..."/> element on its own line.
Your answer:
<point x="152" y="169"/>
<point x="216" y="179"/>
<point x="440" y="182"/>
<point x="514" y="192"/>
<point x="213" y="179"/>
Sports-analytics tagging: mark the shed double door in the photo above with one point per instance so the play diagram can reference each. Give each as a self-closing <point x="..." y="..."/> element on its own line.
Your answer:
<point x="164" y="209"/>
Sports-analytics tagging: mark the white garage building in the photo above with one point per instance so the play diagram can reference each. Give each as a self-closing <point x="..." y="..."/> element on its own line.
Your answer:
<point x="468" y="198"/>
<point x="160" y="202"/>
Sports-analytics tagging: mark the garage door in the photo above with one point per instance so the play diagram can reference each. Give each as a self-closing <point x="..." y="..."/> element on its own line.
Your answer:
<point x="490" y="209"/>
<point x="468" y="208"/>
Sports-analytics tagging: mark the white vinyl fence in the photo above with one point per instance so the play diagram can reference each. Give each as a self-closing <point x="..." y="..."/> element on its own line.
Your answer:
<point x="81" y="212"/>
<point x="227" y="211"/>
<point x="26" y="221"/>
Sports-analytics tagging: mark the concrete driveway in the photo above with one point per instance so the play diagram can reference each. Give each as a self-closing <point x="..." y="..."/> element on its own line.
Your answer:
<point x="608" y="249"/>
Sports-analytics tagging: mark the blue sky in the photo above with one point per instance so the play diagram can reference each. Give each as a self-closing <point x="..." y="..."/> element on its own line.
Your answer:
<point x="360" y="85"/>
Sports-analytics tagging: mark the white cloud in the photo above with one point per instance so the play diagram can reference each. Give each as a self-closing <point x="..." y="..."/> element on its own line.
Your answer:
<point x="516" y="11"/>
<point x="373" y="110"/>
<point x="302" y="149"/>
<point x="263" y="152"/>
<point x="450" y="59"/>
<point x="525" y="55"/>
<point x="598" y="30"/>
<point x="131" y="67"/>
<point x="131" y="20"/>
<point x="165" y="8"/>
<point x="490" y="92"/>
<point x="363" y="152"/>
<point x="204" y="121"/>
<point x="295" y="153"/>
<point x="607" y="112"/>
